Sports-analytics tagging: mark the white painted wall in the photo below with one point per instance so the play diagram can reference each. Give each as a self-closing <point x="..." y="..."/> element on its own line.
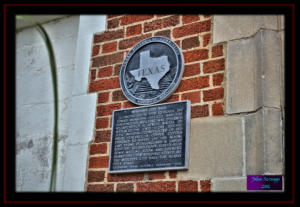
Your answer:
<point x="72" y="40"/>
<point x="83" y="107"/>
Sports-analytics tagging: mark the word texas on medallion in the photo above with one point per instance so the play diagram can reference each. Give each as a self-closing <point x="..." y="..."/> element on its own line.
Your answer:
<point x="152" y="71"/>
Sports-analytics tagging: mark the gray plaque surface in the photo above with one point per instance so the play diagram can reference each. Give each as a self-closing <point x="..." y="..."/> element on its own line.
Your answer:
<point x="151" y="71"/>
<point x="150" y="138"/>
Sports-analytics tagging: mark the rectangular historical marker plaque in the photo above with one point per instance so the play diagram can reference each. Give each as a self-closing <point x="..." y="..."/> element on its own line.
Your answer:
<point x="150" y="138"/>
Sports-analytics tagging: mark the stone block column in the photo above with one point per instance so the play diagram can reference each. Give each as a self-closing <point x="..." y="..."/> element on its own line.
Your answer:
<point x="254" y="91"/>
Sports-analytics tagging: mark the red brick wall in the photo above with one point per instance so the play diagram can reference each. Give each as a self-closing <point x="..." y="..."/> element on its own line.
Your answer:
<point x="202" y="84"/>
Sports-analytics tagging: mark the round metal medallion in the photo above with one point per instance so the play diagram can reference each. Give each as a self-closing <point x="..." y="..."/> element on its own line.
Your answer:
<point x="151" y="71"/>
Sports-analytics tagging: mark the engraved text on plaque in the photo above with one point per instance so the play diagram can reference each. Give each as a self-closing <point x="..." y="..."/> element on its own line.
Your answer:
<point x="150" y="138"/>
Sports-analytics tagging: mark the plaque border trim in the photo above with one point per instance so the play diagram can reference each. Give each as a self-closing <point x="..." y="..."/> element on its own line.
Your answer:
<point x="187" y="142"/>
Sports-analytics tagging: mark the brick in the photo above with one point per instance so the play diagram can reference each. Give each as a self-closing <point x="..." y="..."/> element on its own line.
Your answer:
<point x="105" y="72"/>
<point x="108" y="35"/>
<point x="194" y="83"/>
<point x="102" y="123"/>
<point x="102" y="136"/>
<point x="218" y="79"/>
<point x="162" y="15"/>
<point x="103" y="97"/>
<point x="194" y="97"/>
<point x="110" y="16"/>
<point x="217" y="51"/>
<point x="110" y="122"/>
<point x="104" y="84"/>
<point x="217" y="109"/>
<point x="191" y="29"/>
<point x="125" y="187"/>
<point x="199" y="111"/>
<point x="191" y="70"/>
<point x="156" y="175"/>
<point x="93" y="74"/>
<point x="107" y="59"/>
<point x="214" y="66"/>
<point x="190" y="43"/>
<point x="206" y="39"/>
<point x="207" y="16"/>
<point x="134" y="30"/>
<point x="98" y="148"/>
<point x="188" y="186"/>
<point x="173" y="174"/>
<point x="163" y="186"/>
<point x="118" y="96"/>
<point x="98" y="162"/>
<point x="109" y="47"/>
<point x="189" y="18"/>
<point x="96" y="176"/>
<point x="164" y="33"/>
<point x="129" y="19"/>
<point x="195" y="55"/>
<point x="154" y="25"/>
<point x="127" y="43"/>
<point x="125" y="177"/>
<point x="105" y="110"/>
<point x="173" y="98"/>
<point x="113" y="23"/>
<point x="117" y="69"/>
<point x="96" y="49"/>
<point x="100" y="188"/>
<point x="128" y="104"/>
<point x="170" y="21"/>
<point x="213" y="94"/>
<point x="205" y="185"/>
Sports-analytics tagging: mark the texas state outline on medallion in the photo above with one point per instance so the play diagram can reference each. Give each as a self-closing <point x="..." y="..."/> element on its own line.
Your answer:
<point x="153" y="69"/>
